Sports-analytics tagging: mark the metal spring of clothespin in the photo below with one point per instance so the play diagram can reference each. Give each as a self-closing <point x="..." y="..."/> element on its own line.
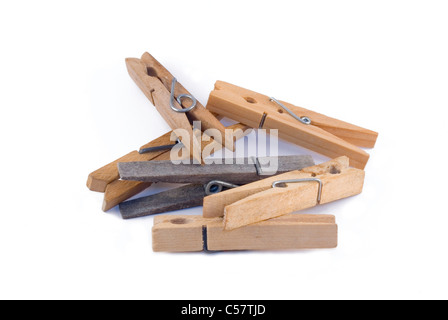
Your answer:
<point x="173" y="107"/>
<point x="257" y="165"/>
<point x="179" y="99"/>
<point x="282" y="184"/>
<point x="304" y="120"/>
<point x="159" y="148"/>
<point x="216" y="186"/>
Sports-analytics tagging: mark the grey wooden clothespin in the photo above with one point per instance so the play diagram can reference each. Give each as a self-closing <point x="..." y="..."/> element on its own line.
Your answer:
<point x="202" y="181"/>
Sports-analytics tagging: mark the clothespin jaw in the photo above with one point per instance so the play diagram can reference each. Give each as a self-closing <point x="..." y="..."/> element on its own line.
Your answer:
<point x="265" y="199"/>
<point x="166" y="94"/>
<point x="330" y="137"/>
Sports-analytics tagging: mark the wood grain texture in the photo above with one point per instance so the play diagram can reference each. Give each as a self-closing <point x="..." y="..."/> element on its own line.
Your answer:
<point x="351" y="133"/>
<point x="258" y="201"/>
<point x="100" y="178"/>
<point x="160" y="96"/>
<point x="184" y="197"/>
<point x="195" y="233"/>
<point x="284" y="233"/>
<point x="192" y="195"/>
<point x="118" y="191"/>
<point x="214" y="205"/>
<point x="177" y="234"/>
<point x="327" y="136"/>
<point x="337" y="184"/>
<point x="242" y="171"/>
<point x="210" y="146"/>
<point x="200" y="113"/>
<point x="296" y="197"/>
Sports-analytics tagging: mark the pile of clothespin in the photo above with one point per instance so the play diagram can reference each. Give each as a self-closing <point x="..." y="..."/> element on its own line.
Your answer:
<point x="247" y="205"/>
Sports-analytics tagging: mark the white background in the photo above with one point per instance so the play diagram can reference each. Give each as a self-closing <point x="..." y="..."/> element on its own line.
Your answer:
<point x="69" y="107"/>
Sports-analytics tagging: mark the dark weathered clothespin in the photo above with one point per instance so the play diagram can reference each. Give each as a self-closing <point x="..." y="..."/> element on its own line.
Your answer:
<point x="204" y="181"/>
<point x="241" y="171"/>
<point x="107" y="178"/>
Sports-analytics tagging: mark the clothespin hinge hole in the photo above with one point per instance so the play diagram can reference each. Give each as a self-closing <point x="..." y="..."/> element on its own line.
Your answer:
<point x="179" y="221"/>
<point x="250" y="100"/>
<point x="281" y="185"/>
<point x="334" y="170"/>
<point x="151" y="72"/>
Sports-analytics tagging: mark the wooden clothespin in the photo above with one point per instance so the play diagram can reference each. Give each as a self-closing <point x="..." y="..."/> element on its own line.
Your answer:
<point x="170" y="99"/>
<point x="285" y="193"/>
<point x="240" y="171"/>
<point x="99" y="179"/>
<point x="195" y="233"/>
<point x="327" y="136"/>
<point x="205" y="180"/>
<point x="107" y="178"/>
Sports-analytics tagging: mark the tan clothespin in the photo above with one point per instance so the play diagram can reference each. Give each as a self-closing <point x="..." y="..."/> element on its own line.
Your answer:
<point x="327" y="136"/>
<point x="285" y="193"/>
<point x="195" y="233"/>
<point x="99" y="179"/>
<point x="170" y="98"/>
<point x="107" y="178"/>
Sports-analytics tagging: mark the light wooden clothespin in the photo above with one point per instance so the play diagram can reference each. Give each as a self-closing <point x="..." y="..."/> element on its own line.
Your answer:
<point x="327" y="136"/>
<point x="203" y="181"/>
<point x="285" y="193"/>
<point x="170" y="99"/>
<point x="195" y="233"/>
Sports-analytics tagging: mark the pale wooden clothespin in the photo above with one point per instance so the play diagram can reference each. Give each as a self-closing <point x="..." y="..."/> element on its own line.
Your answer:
<point x="285" y="193"/>
<point x="195" y="233"/>
<point x="327" y="136"/>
